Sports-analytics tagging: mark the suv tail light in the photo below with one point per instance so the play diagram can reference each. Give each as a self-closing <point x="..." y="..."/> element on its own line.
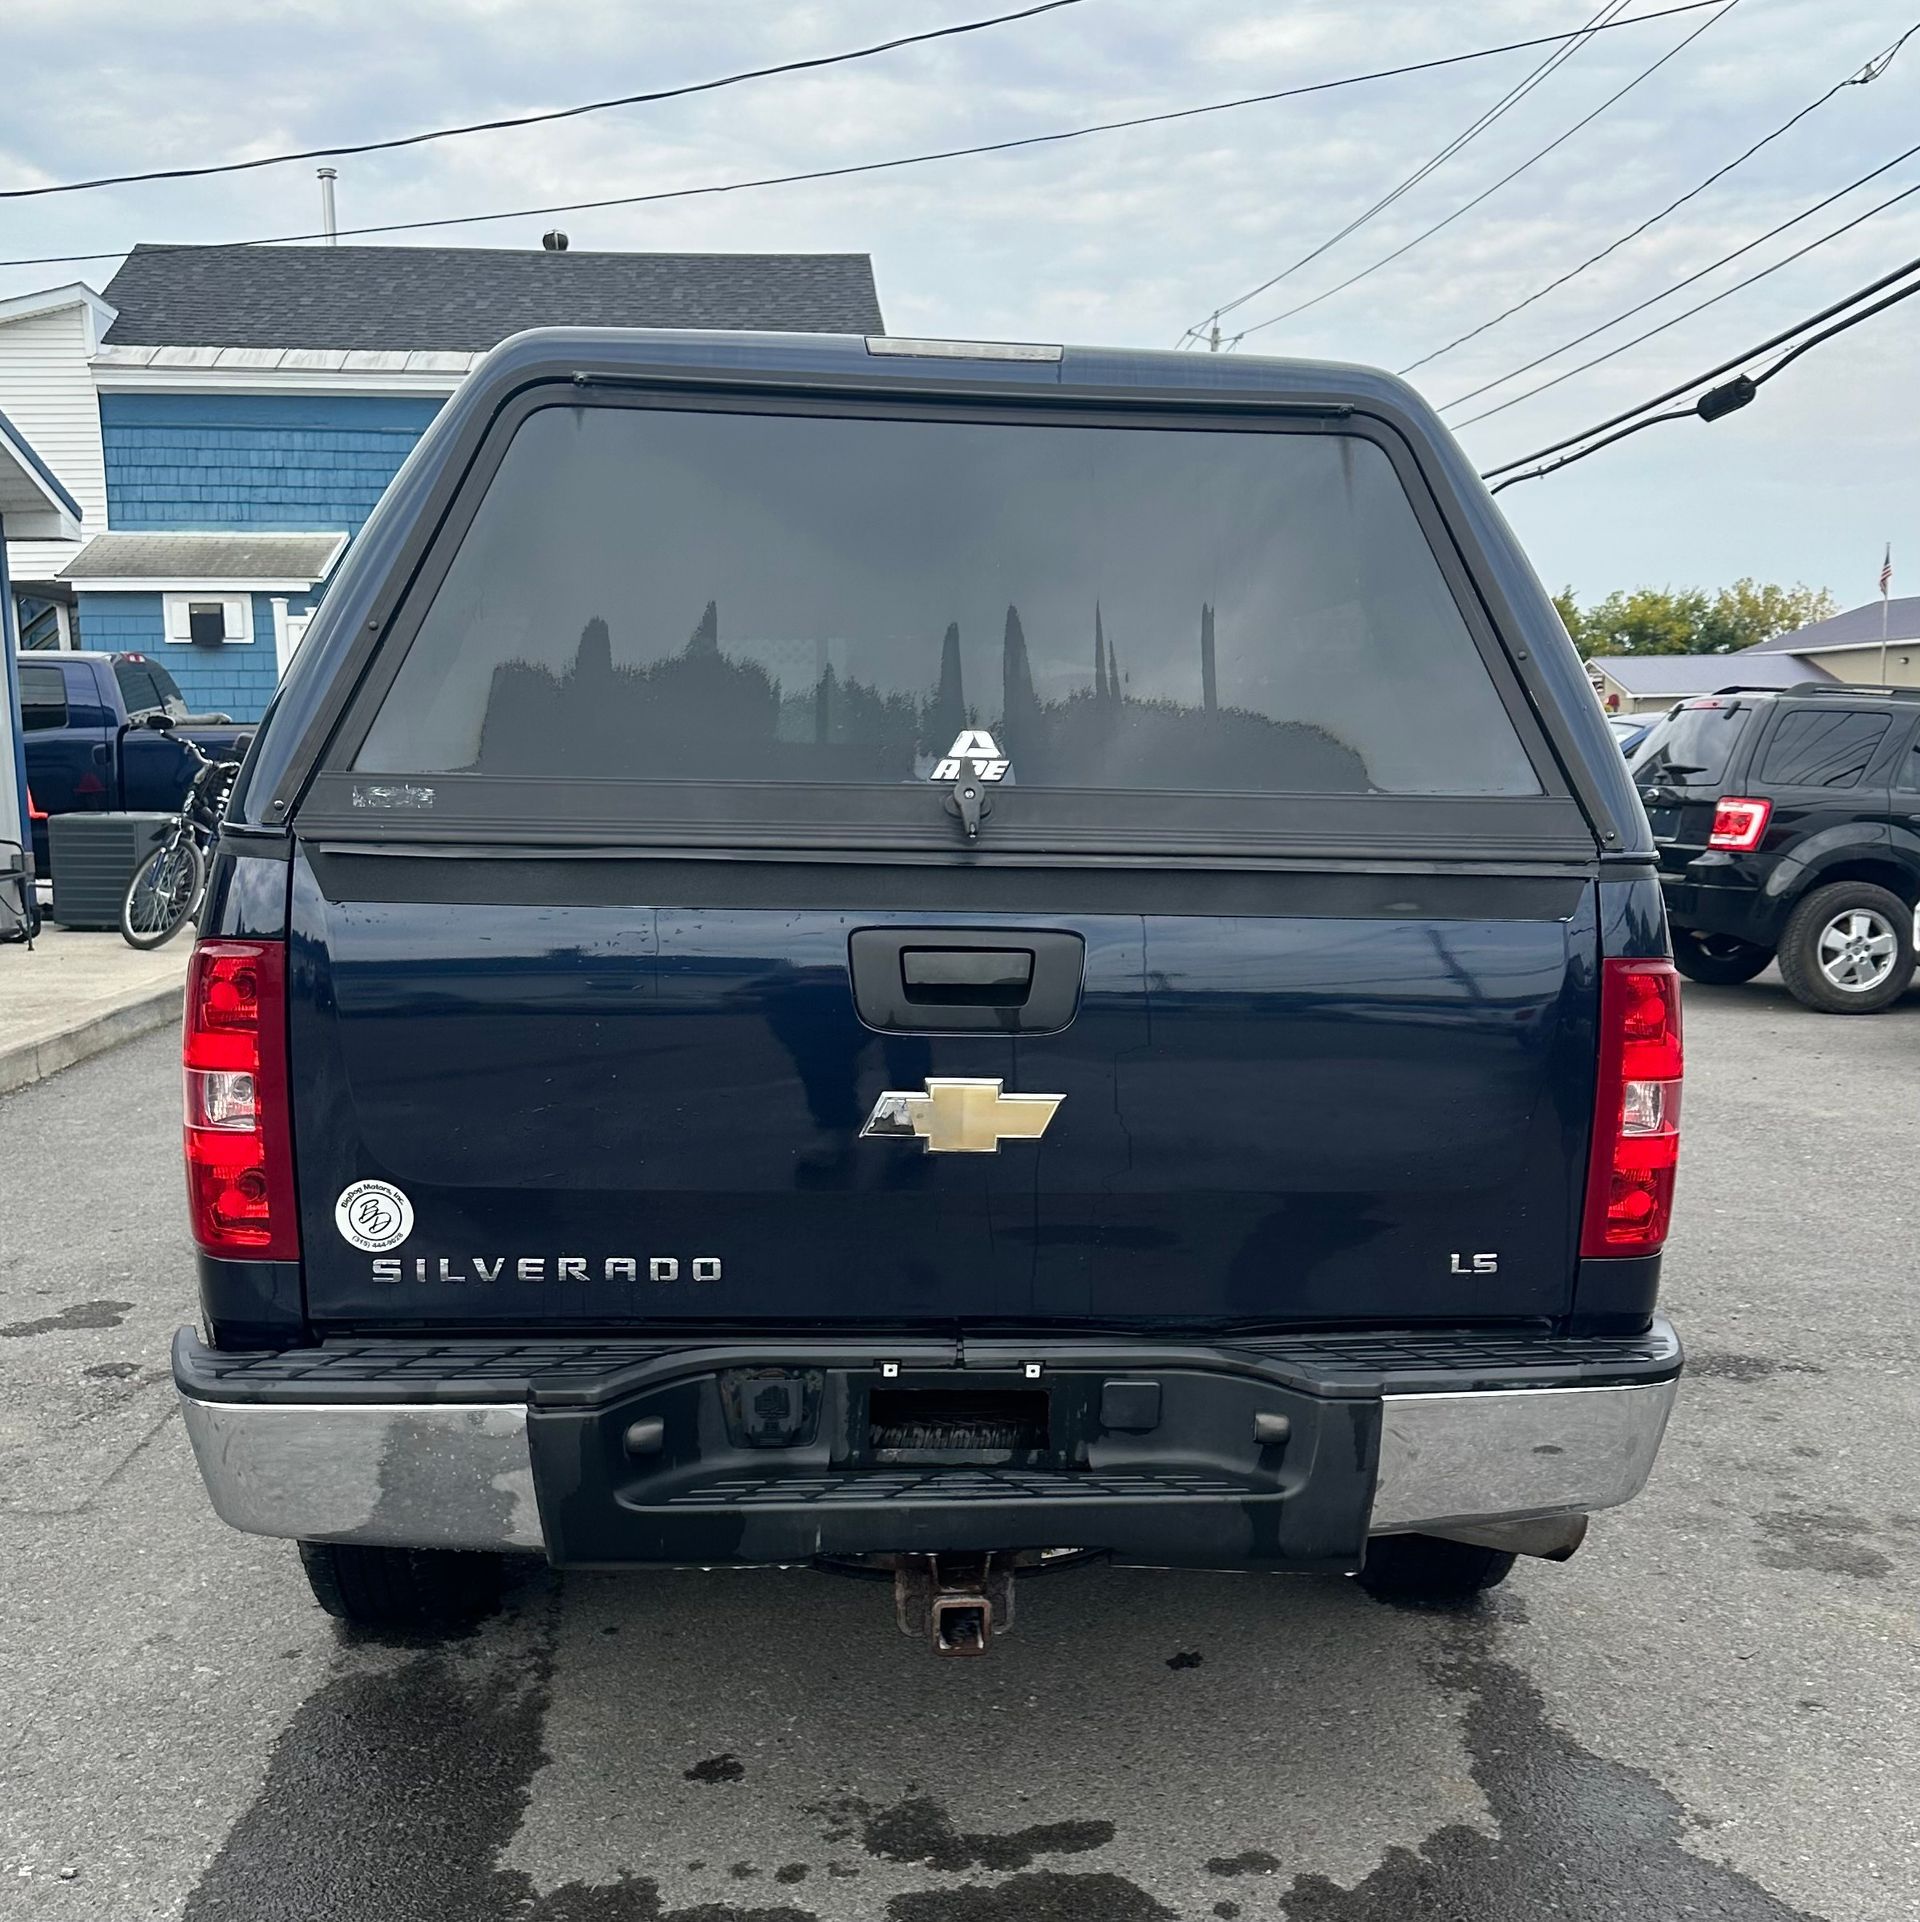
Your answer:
<point x="239" y="1145"/>
<point x="1738" y="825"/>
<point x="1636" y="1112"/>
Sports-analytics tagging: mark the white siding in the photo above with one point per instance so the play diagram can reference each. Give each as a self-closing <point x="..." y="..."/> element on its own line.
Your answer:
<point x="46" y="390"/>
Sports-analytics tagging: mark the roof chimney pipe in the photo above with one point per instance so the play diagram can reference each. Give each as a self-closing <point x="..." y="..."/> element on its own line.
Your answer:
<point x="329" y="224"/>
<point x="554" y="241"/>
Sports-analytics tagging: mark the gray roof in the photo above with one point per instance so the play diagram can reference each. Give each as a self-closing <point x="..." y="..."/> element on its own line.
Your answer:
<point x="1680" y="674"/>
<point x="469" y="298"/>
<point x="1857" y="627"/>
<point x="234" y="559"/>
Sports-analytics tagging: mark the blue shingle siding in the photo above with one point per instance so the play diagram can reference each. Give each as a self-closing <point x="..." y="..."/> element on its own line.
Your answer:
<point x="296" y="463"/>
<point x="236" y="679"/>
<point x="214" y="463"/>
<point x="122" y="623"/>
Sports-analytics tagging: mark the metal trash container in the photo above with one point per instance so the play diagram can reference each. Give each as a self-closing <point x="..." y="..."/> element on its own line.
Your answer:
<point x="94" y="856"/>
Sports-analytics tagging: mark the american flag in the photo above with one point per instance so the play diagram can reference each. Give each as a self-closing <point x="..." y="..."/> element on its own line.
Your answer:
<point x="1886" y="572"/>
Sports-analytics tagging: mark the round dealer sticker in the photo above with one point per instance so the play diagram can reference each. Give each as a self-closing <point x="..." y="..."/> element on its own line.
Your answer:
<point x="373" y="1215"/>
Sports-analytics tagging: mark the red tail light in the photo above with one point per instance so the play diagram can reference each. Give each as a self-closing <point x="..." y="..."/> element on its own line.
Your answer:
<point x="1738" y="825"/>
<point x="1636" y="1111"/>
<point x="239" y="1145"/>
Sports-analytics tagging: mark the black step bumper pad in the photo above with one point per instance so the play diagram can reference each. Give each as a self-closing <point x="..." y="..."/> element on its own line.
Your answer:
<point x="1200" y="1487"/>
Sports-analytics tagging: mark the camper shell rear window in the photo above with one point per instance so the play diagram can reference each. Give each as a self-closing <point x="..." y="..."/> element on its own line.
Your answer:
<point x="821" y="616"/>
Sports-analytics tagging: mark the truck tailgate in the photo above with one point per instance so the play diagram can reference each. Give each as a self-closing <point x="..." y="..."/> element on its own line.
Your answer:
<point x="616" y="1091"/>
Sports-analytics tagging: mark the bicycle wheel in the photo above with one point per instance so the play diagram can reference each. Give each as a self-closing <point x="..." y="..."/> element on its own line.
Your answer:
<point x="163" y="892"/>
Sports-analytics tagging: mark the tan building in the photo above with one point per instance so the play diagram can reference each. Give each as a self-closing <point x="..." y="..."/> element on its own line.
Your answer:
<point x="1850" y="648"/>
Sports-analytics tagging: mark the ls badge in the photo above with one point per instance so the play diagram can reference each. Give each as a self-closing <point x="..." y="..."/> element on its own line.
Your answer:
<point x="956" y="1117"/>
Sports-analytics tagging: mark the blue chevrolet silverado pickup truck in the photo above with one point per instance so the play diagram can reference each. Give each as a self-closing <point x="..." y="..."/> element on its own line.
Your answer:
<point x="103" y="732"/>
<point x="932" y="959"/>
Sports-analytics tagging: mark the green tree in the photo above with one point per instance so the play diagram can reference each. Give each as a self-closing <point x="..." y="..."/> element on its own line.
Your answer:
<point x="1749" y="612"/>
<point x="1689" y="620"/>
<point x="1646" y="620"/>
<point x="1570" y="616"/>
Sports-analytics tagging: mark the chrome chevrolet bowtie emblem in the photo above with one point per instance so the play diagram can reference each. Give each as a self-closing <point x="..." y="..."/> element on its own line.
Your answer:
<point x="957" y="1117"/>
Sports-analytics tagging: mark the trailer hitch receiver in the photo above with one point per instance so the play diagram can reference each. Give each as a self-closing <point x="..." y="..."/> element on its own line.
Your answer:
<point x="958" y="1602"/>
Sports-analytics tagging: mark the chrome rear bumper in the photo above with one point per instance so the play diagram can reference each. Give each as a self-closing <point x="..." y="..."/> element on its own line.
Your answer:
<point x="453" y="1474"/>
<point x="408" y="1476"/>
<point x="1516" y="1454"/>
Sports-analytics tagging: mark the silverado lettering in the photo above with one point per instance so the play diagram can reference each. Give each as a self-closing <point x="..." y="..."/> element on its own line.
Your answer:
<point x="445" y="1268"/>
<point x="1098" y="877"/>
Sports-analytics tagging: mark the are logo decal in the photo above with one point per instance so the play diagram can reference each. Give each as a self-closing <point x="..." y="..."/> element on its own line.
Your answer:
<point x="973" y="749"/>
<point x="373" y="1215"/>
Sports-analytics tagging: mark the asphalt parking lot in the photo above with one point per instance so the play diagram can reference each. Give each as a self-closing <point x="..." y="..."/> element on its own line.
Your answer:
<point x="1710" y="1713"/>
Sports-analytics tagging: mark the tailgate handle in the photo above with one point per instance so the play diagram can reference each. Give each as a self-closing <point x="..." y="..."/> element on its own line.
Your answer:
<point x="966" y="980"/>
<point x="967" y="977"/>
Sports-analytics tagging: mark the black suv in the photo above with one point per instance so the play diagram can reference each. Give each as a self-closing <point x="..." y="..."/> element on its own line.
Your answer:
<point x="1788" y="823"/>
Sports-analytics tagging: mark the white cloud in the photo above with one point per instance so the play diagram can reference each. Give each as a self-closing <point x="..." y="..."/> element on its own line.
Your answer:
<point x="1122" y="238"/>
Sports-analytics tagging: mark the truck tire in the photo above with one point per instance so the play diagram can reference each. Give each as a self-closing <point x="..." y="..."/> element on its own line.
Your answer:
<point x="1422" y="1571"/>
<point x="422" y="1589"/>
<point x="1718" y="960"/>
<point x="1848" y="949"/>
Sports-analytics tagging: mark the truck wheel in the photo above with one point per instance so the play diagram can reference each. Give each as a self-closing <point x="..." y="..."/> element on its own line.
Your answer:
<point x="405" y="1588"/>
<point x="1422" y="1571"/>
<point x="1717" y="960"/>
<point x="1848" y="949"/>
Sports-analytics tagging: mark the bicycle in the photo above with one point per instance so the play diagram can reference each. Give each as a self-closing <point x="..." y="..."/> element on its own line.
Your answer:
<point x="164" y="893"/>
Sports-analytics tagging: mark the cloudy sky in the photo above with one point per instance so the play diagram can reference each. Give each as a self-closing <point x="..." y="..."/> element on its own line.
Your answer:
<point x="1126" y="237"/>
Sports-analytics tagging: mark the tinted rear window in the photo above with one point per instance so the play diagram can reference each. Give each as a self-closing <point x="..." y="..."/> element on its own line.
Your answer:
<point x="1810" y="749"/>
<point x="1691" y="748"/>
<point x="139" y="686"/>
<point x="663" y="596"/>
<point x="43" y="698"/>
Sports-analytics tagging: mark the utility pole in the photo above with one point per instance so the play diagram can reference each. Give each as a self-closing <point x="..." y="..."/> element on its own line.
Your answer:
<point x="1213" y="336"/>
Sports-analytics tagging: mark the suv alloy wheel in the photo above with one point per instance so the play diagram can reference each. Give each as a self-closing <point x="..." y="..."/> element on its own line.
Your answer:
<point x="1848" y="949"/>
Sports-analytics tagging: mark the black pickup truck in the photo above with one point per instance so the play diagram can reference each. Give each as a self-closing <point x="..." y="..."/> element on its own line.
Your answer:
<point x="931" y="958"/>
<point x="103" y="732"/>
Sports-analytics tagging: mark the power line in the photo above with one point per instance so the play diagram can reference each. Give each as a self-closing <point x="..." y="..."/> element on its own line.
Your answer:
<point x="1487" y="193"/>
<point x="1607" y="16"/>
<point x="1772" y="341"/>
<point x="1840" y="327"/>
<point x="813" y="63"/>
<point x="1654" y="299"/>
<point x="1859" y="78"/>
<point x="881" y="166"/>
<point x="1652" y="420"/>
<point x="1735" y="394"/>
<point x="1713" y="300"/>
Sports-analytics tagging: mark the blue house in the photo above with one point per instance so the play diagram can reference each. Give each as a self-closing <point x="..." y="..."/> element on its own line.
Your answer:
<point x="228" y="416"/>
